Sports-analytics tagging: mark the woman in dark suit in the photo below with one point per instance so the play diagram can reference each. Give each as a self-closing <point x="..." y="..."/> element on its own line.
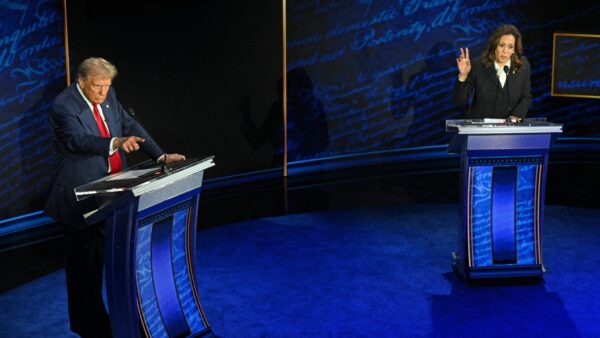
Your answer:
<point x="499" y="80"/>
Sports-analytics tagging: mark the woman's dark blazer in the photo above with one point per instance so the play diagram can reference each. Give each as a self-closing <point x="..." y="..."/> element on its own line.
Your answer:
<point x="489" y="97"/>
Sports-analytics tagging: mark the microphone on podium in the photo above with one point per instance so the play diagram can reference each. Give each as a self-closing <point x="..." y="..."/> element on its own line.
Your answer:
<point x="131" y="113"/>
<point x="164" y="167"/>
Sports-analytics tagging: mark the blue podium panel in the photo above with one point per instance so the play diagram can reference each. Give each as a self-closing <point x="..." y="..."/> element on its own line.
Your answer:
<point x="152" y="322"/>
<point x="165" y="282"/>
<point x="503" y="169"/>
<point x="504" y="181"/>
<point x="150" y="251"/>
<point x="502" y="219"/>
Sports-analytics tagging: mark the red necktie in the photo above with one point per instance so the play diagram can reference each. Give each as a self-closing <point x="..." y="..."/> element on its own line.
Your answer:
<point x="115" y="158"/>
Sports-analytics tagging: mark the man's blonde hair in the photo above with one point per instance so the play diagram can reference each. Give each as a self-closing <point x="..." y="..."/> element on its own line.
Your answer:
<point x="96" y="66"/>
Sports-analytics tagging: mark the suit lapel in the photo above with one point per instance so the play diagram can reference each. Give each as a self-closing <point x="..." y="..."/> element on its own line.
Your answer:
<point x="490" y="74"/>
<point x="107" y="110"/>
<point x="85" y="114"/>
<point x="511" y="77"/>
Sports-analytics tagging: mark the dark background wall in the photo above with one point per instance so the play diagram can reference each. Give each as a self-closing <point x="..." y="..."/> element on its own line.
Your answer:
<point x="188" y="68"/>
<point x="204" y="77"/>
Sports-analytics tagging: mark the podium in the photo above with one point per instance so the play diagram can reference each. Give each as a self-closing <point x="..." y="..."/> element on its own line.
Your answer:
<point x="503" y="173"/>
<point x="150" y="212"/>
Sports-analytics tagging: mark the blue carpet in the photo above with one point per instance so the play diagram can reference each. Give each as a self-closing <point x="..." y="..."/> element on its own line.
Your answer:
<point x="369" y="272"/>
<point x="37" y="309"/>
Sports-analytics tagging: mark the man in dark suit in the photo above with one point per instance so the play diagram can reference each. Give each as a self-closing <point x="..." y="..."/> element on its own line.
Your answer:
<point x="499" y="80"/>
<point x="91" y="134"/>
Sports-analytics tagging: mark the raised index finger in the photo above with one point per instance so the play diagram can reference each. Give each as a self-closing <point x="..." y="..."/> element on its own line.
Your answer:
<point x="138" y="139"/>
<point x="467" y="52"/>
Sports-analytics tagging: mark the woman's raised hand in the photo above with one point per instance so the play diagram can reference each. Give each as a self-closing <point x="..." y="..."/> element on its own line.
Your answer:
<point x="464" y="64"/>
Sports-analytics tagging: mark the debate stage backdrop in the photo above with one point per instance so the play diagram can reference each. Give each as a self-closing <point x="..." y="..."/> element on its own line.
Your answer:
<point x="32" y="73"/>
<point x="381" y="73"/>
<point x="206" y="77"/>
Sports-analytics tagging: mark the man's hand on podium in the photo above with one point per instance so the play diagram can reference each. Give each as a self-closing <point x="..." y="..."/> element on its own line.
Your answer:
<point x="131" y="143"/>
<point x="168" y="158"/>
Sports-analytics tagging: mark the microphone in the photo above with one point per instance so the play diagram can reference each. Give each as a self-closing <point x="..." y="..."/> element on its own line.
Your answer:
<point x="131" y="113"/>
<point x="163" y="166"/>
<point x="506" y="71"/>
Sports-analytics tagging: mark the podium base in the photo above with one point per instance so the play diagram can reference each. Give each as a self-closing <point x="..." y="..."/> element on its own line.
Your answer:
<point x="508" y="271"/>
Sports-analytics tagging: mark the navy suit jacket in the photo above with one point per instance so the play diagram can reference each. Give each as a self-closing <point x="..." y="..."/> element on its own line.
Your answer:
<point x="489" y="97"/>
<point x="81" y="154"/>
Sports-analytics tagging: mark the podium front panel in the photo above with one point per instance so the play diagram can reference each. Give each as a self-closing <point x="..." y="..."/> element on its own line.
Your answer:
<point x="487" y="238"/>
<point x="167" y="293"/>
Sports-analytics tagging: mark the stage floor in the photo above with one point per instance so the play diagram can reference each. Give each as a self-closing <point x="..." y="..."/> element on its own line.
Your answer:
<point x="371" y="271"/>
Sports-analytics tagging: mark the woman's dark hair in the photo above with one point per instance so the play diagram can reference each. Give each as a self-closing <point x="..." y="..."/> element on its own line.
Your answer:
<point x="487" y="58"/>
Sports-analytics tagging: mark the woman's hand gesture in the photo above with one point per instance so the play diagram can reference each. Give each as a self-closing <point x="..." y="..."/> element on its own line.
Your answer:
<point x="464" y="64"/>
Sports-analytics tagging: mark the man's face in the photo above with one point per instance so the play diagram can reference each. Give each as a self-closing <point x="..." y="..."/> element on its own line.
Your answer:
<point x="95" y="88"/>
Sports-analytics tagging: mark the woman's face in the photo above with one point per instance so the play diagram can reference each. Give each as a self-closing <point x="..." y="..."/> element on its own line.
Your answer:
<point x="505" y="48"/>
